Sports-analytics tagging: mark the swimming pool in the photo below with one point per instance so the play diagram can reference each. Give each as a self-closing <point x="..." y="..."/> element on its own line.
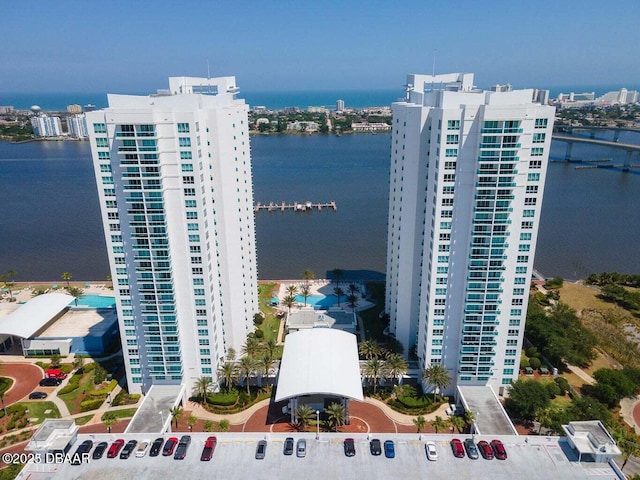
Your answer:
<point x="96" y="301"/>
<point x="318" y="301"/>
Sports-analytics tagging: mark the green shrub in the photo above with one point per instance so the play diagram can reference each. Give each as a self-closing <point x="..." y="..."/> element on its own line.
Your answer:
<point x="524" y="363"/>
<point x="91" y="404"/>
<point x="17" y="410"/>
<point x="553" y="389"/>
<point x="563" y="384"/>
<point x="90" y="367"/>
<point x="535" y="363"/>
<point x="68" y="388"/>
<point x="223" y="398"/>
<point x="103" y="392"/>
<point x="259" y="334"/>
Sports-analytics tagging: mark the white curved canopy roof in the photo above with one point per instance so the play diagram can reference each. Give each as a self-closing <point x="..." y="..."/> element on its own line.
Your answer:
<point x="34" y="314"/>
<point x="320" y="361"/>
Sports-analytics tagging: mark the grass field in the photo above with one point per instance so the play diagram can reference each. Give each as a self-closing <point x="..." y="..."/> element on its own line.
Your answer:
<point x="271" y="323"/>
<point x="38" y="411"/>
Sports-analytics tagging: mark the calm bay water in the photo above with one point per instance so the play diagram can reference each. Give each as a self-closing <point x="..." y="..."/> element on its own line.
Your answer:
<point x="50" y="219"/>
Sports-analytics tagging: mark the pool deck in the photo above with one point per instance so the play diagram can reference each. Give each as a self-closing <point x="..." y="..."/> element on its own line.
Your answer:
<point x="325" y="287"/>
<point x="23" y="292"/>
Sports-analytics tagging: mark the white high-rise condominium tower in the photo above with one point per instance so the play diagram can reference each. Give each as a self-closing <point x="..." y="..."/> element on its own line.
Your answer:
<point x="173" y="172"/>
<point x="467" y="175"/>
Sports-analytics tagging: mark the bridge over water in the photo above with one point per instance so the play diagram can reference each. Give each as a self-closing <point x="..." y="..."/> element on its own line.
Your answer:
<point x="569" y="138"/>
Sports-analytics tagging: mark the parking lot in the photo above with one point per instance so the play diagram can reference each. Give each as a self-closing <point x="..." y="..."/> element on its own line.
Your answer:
<point x="234" y="457"/>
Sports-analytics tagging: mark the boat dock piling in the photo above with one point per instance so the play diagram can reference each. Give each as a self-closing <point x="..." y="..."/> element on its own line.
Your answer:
<point x="295" y="206"/>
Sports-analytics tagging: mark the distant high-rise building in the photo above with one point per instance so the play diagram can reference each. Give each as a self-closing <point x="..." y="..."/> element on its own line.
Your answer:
<point x="46" y="126"/>
<point x="77" y="125"/>
<point x="174" y="181"/>
<point x="467" y="174"/>
<point x="74" y="108"/>
<point x="340" y="106"/>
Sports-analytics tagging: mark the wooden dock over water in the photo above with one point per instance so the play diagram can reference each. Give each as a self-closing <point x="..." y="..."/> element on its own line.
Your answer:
<point x="295" y="206"/>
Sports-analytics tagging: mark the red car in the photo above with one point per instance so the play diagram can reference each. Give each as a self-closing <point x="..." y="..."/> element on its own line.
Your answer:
<point x="485" y="450"/>
<point x="457" y="448"/>
<point x="169" y="446"/>
<point x="209" y="447"/>
<point x="498" y="448"/>
<point x="115" y="448"/>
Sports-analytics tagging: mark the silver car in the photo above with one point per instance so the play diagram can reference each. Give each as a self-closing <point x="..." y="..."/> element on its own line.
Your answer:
<point x="301" y="449"/>
<point x="261" y="449"/>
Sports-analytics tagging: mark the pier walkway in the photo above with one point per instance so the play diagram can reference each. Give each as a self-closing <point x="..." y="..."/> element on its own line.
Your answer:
<point x="296" y="206"/>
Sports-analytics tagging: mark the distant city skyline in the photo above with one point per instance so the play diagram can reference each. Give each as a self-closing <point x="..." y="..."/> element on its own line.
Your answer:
<point x="74" y="46"/>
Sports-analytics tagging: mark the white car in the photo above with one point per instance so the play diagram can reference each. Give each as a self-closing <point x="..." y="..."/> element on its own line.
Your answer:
<point x="432" y="453"/>
<point x="142" y="448"/>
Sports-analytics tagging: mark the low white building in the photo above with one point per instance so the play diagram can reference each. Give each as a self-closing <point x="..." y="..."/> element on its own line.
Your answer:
<point x="301" y="126"/>
<point x="370" y="127"/>
<point x="307" y="318"/>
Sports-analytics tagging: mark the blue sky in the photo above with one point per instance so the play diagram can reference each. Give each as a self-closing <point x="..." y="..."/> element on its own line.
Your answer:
<point x="270" y="45"/>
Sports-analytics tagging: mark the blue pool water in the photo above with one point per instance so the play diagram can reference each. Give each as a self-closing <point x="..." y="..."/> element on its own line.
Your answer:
<point x="318" y="301"/>
<point x="96" y="301"/>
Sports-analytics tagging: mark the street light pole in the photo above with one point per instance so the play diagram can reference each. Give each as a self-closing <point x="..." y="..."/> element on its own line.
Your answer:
<point x="317" y="424"/>
<point x="162" y="417"/>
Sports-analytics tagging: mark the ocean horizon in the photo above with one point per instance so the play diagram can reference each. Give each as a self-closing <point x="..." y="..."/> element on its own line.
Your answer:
<point x="271" y="99"/>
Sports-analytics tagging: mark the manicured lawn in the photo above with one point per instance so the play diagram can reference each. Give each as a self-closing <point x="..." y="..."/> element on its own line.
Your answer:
<point x="83" y="420"/>
<point x="5" y="384"/>
<point x="37" y="411"/>
<point x="271" y="323"/>
<point x="124" y="413"/>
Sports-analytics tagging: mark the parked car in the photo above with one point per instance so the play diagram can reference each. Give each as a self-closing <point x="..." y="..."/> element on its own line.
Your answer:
<point x="261" y="449"/>
<point x="389" y="449"/>
<point x="156" y="446"/>
<point x="301" y="450"/>
<point x="83" y="449"/>
<point x="50" y="382"/>
<point x="128" y="449"/>
<point x="349" y="447"/>
<point x="115" y="448"/>
<point x="98" y="452"/>
<point x="169" y="446"/>
<point x="470" y="447"/>
<point x="37" y="395"/>
<point x="288" y="446"/>
<point x="209" y="448"/>
<point x="142" y="448"/>
<point x="457" y="448"/>
<point x="183" y="445"/>
<point x="55" y="373"/>
<point x="485" y="450"/>
<point x="375" y="447"/>
<point x="499" y="450"/>
<point x="432" y="453"/>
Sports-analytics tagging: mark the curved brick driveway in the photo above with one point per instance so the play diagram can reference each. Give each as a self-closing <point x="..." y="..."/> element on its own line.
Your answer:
<point x="26" y="377"/>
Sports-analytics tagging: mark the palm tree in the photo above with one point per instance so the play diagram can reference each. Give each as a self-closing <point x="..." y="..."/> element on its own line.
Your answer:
<point x="375" y="370"/>
<point x="457" y="422"/>
<point x="207" y="426"/>
<point x="289" y="302"/>
<point x="75" y="292"/>
<point x="438" y="424"/>
<point x="292" y="290"/>
<point x="246" y="366"/>
<point x="271" y="347"/>
<point x="266" y="362"/>
<point x="308" y="276"/>
<point x="353" y="301"/>
<point x="353" y="288"/>
<point x="469" y="418"/>
<point x="338" y="292"/>
<point x="369" y="349"/>
<point x="202" y="388"/>
<point x="66" y="276"/>
<point x="437" y="376"/>
<point x="176" y="414"/>
<point x="305" y="415"/>
<point x="229" y="372"/>
<point x="78" y="362"/>
<point x="191" y="421"/>
<point x="419" y="422"/>
<point x="231" y="354"/>
<point x="335" y="415"/>
<point x="108" y="419"/>
<point x="251" y="346"/>
<point x="306" y="292"/>
<point x="7" y="281"/>
<point x="337" y="273"/>
<point x="397" y="366"/>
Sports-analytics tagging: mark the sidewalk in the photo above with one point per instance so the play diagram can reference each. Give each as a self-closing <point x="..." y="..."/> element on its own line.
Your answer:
<point x="235" y="418"/>
<point x="403" y="419"/>
<point x="582" y="374"/>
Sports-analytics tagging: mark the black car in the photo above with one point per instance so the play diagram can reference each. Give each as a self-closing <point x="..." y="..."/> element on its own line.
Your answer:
<point x="128" y="449"/>
<point x="50" y="382"/>
<point x="181" y="451"/>
<point x="37" y="395"/>
<point x="472" y="450"/>
<point x="99" y="450"/>
<point x="349" y="447"/>
<point x="84" y="448"/>
<point x="156" y="446"/>
<point x="288" y="446"/>
<point x="261" y="450"/>
<point x="375" y="446"/>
